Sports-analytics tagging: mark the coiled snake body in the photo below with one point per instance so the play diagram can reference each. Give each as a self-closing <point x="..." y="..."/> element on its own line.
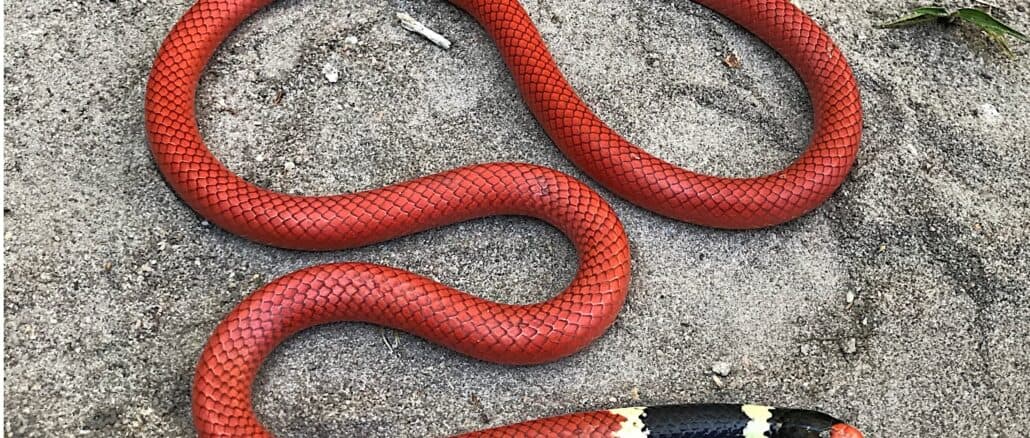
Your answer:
<point x="513" y="334"/>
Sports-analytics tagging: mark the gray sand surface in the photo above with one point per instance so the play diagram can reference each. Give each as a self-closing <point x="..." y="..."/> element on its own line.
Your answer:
<point x="113" y="284"/>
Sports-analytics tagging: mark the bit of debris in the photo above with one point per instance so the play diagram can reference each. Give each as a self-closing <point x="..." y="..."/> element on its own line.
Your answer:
<point x="352" y="40"/>
<point x="718" y="382"/>
<point x="989" y="114"/>
<point x="478" y="405"/>
<point x="731" y="60"/>
<point x="389" y="346"/>
<point x="850" y="346"/>
<point x="807" y="349"/>
<point x="850" y="297"/>
<point x="634" y="394"/>
<point x="652" y="59"/>
<point x="413" y="25"/>
<point x="722" y="369"/>
<point x="331" y="73"/>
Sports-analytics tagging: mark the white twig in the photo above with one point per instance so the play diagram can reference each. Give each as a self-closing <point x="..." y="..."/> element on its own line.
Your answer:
<point x="413" y="25"/>
<point x="389" y="346"/>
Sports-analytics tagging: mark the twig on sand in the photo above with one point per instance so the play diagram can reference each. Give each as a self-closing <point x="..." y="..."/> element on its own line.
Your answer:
<point x="413" y="25"/>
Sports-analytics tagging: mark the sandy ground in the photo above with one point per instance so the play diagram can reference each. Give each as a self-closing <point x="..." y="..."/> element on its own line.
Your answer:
<point x="113" y="284"/>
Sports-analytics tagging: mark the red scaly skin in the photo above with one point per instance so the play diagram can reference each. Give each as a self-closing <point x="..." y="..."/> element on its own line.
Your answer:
<point x="485" y="330"/>
<point x="390" y="297"/>
<point x="670" y="190"/>
<point x="598" y="424"/>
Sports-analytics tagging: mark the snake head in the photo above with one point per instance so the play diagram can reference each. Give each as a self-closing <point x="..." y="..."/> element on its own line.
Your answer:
<point x="844" y="430"/>
<point x="798" y="423"/>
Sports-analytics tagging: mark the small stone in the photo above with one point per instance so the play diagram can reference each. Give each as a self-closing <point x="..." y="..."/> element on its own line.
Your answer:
<point x="850" y="297"/>
<point x="289" y="165"/>
<point x="850" y="346"/>
<point x="352" y="40"/>
<point x="989" y="114"/>
<point x="634" y="393"/>
<point x="331" y="73"/>
<point x="731" y="60"/>
<point x="722" y="368"/>
<point x="652" y="59"/>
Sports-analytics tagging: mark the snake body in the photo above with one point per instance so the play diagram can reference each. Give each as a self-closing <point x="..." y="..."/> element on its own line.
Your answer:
<point x="512" y="334"/>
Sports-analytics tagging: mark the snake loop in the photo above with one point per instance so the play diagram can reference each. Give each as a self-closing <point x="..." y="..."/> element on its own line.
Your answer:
<point x="514" y="334"/>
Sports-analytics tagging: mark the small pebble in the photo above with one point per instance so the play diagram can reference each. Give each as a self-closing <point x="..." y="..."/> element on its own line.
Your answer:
<point x="850" y="297"/>
<point x="331" y="73"/>
<point x="731" y="61"/>
<point x="652" y="59"/>
<point x="352" y="40"/>
<point x="850" y="346"/>
<point x="989" y="114"/>
<point x="722" y="368"/>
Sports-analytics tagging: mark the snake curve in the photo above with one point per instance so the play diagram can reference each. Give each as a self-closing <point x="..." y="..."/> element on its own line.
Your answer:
<point x="502" y="333"/>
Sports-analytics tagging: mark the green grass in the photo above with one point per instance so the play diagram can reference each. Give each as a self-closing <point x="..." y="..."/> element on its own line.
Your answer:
<point x="996" y="30"/>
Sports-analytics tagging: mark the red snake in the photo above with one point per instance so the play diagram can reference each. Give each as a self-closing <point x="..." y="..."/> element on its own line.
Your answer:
<point x="486" y="330"/>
